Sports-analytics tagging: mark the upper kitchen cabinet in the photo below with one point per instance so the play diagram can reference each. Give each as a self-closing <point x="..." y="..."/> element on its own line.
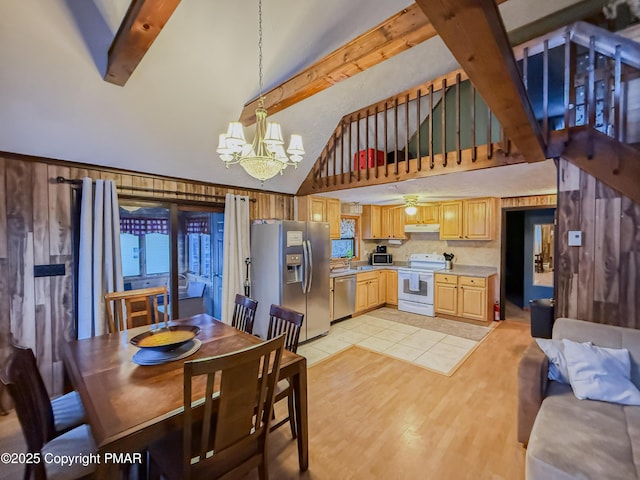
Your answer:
<point x="393" y="220"/>
<point x="333" y="217"/>
<point x="380" y="223"/>
<point x="371" y="222"/>
<point x="426" y="214"/>
<point x="471" y="219"/>
<point x="321" y="209"/>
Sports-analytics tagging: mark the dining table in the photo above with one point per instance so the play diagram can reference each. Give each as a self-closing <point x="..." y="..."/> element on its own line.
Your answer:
<point x="129" y="406"/>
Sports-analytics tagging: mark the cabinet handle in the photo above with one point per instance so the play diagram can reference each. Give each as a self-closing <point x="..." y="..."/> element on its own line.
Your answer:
<point x="460" y="236"/>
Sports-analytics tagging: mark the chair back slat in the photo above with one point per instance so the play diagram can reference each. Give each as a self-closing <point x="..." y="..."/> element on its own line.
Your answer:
<point x="134" y="308"/>
<point x="244" y="313"/>
<point x="288" y="322"/>
<point x="238" y="404"/>
<point x="33" y="406"/>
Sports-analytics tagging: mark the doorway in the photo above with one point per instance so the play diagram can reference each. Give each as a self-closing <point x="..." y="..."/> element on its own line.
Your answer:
<point x="527" y="257"/>
<point x="178" y="246"/>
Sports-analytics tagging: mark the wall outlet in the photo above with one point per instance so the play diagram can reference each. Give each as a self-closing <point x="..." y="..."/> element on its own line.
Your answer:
<point x="575" y="238"/>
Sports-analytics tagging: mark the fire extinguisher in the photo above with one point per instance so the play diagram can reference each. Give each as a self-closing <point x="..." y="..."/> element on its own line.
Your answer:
<point x="496" y="312"/>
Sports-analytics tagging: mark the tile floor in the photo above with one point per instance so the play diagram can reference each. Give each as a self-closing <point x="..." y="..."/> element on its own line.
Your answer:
<point x="434" y="350"/>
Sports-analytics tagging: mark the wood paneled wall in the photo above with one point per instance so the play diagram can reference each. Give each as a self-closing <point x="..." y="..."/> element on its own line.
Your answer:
<point x="532" y="201"/>
<point x="600" y="280"/>
<point x="35" y="229"/>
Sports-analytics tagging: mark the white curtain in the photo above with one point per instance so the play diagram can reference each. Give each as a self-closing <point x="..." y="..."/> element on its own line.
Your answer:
<point x="236" y="250"/>
<point x="100" y="263"/>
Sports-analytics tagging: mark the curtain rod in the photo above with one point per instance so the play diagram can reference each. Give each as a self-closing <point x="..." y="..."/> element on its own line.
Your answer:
<point x="78" y="183"/>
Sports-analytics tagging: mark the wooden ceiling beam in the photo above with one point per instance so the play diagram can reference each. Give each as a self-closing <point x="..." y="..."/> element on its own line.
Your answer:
<point x="396" y="34"/>
<point x="474" y="33"/>
<point x="139" y="28"/>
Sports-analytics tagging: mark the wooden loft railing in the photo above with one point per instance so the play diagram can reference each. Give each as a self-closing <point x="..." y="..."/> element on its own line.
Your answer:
<point x="452" y="137"/>
<point x="444" y="126"/>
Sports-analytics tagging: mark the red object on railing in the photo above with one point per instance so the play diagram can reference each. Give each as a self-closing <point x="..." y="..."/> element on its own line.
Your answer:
<point x="374" y="157"/>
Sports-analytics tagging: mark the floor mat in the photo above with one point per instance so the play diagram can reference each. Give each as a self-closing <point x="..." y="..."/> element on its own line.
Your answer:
<point x="442" y="325"/>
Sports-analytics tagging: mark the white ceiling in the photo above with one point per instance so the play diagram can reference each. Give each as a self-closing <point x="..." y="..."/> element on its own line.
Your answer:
<point x="195" y="79"/>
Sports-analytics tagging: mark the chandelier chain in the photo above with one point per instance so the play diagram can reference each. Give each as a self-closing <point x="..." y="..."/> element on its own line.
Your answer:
<point x="260" y="47"/>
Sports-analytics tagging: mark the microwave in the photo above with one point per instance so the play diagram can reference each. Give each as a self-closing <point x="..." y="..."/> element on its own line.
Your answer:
<point x="381" y="259"/>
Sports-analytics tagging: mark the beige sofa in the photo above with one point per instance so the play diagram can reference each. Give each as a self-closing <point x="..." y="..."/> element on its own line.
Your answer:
<point x="567" y="438"/>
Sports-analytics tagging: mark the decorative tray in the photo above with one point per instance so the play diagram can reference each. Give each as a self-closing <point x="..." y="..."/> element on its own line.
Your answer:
<point x="146" y="356"/>
<point x="165" y="339"/>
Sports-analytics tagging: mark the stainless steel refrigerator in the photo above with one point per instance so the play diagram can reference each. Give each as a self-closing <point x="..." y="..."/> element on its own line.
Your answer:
<point x="290" y="267"/>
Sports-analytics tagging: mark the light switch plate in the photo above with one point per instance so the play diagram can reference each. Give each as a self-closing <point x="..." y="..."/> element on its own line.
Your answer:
<point x="575" y="238"/>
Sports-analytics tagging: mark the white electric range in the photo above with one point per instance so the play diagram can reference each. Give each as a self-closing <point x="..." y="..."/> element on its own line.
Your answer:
<point x="416" y="283"/>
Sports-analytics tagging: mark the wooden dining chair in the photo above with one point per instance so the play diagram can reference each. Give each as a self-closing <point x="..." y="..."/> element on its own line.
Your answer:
<point x="283" y="321"/>
<point x="67" y="410"/>
<point x="134" y="308"/>
<point x="35" y="414"/>
<point x="244" y="313"/>
<point x="231" y="439"/>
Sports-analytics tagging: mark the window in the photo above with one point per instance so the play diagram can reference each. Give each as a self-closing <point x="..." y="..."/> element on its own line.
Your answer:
<point x="130" y="250"/>
<point x="144" y="240"/>
<point x="347" y="246"/>
<point x="157" y="253"/>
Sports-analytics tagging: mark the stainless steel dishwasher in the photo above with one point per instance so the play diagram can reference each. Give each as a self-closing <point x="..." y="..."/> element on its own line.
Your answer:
<point x="344" y="296"/>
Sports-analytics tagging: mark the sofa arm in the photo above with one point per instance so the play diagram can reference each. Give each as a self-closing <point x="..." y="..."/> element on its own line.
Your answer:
<point x="532" y="386"/>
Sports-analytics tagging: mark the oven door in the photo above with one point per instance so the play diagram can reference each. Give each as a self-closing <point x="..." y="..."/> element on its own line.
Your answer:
<point x="415" y="286"/>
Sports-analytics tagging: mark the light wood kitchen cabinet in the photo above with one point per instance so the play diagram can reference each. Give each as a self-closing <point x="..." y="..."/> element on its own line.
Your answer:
<point x="382" y="286"/>
<point x="426" y="214"/>
<point x="367" y="290"/>
<point x="446" y="294"/>
<point x="333" y="217"/>
<point x="463" y="296"/>
<point x="321" y="209"/>
<point x="361" y="296"/>
<point x="391" y="286"/>
<point x="371" y="222"/>
<point x="473" y="298"/>
<point x="451" y="220"/>
<point x="471" y="219"/>
<point x="392" y="220"/>
<point x="397" y="216"/>
<point x="479" y="218"/>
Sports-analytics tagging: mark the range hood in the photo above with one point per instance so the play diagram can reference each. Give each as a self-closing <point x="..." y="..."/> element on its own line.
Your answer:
<point x="422" y="228"/>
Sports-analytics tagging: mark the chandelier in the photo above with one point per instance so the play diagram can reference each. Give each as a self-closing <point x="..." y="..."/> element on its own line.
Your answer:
<point x="410" y="204"/>
<point x="265" y="157"/>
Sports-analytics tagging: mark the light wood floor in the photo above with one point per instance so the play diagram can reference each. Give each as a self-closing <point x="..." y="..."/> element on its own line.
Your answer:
<point x="375" y="417"/>
<point x="372" y="416"/>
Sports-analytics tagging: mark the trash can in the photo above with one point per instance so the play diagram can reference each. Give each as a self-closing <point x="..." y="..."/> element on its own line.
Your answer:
<point x="542" y="317"/>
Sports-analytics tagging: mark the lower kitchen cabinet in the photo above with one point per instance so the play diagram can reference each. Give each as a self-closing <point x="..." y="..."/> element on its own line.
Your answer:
<point x="463" y="296"/>
<point x="376" y="288"/>
<point x="367" y="290"/>
<point x="473" y="298"/>
<point x="391" y="286"/>
<point x="446" y="294"/>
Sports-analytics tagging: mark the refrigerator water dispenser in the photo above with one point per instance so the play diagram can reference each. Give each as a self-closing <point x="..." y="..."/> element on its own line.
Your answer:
<point x="294" y="269"/>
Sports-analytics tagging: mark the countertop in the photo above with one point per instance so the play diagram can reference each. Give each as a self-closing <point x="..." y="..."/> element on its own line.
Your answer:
<point x="369" y="268"/>
<point x="466" y="270"/>
<point x="470" y="271"/>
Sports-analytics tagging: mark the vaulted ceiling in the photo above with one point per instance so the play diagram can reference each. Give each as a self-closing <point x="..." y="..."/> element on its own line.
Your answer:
<point x="195" y="78"/>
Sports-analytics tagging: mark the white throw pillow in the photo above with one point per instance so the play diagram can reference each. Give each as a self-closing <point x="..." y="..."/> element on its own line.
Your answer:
<point x="600" y="373"/>
<point x="554" y="350"/>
